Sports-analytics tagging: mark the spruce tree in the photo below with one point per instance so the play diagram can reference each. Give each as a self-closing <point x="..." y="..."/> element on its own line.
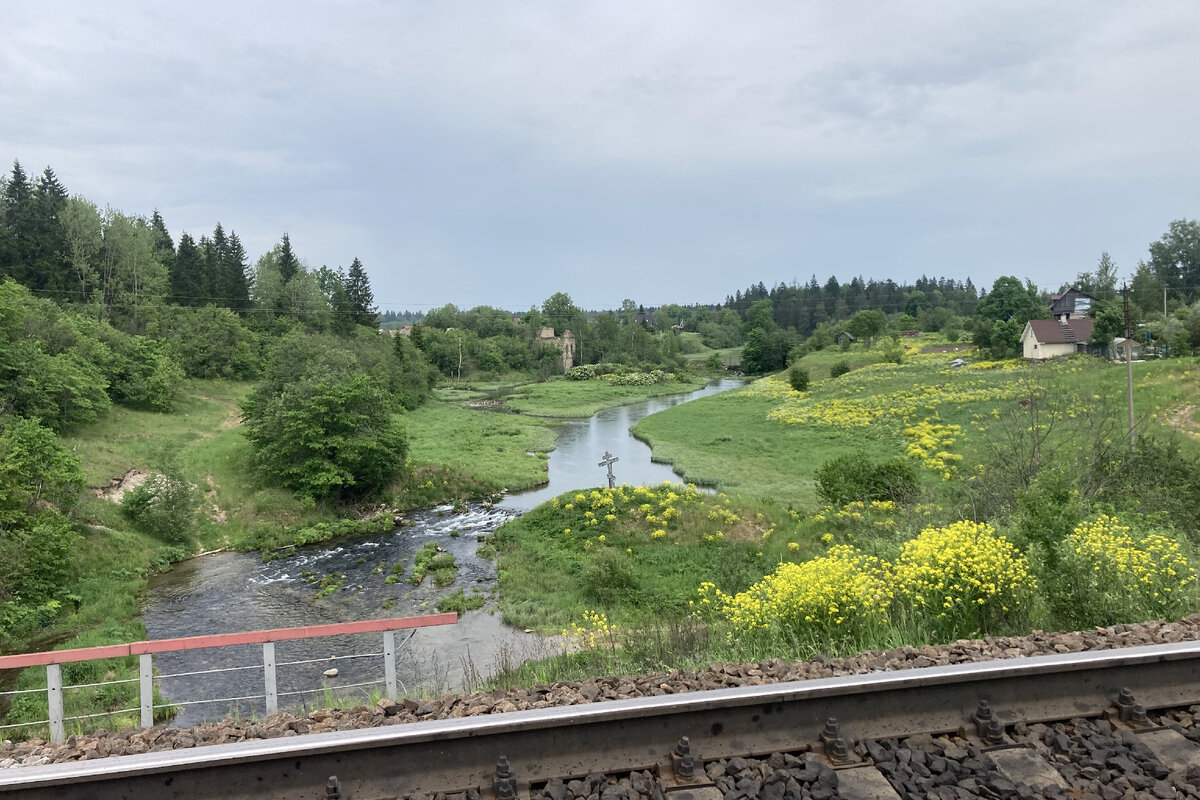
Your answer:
<point x="235" y="287"/>
<point x="164" y="245"/>
<point x="49" y="270"/>
<point x="289" y="265"/>
<point x="362" y="300"/>
<point x="187" y="272"/>
<point x="18" y="221"/>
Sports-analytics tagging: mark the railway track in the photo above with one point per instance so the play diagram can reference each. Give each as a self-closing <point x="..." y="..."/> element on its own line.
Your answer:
<point x="1105" y="724"/>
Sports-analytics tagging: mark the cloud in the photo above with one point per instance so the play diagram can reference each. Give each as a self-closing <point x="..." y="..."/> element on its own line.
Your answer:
<point x="481" y="152"/>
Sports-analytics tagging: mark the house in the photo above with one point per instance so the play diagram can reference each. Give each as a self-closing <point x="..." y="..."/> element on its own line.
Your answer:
<point x="846" y="337"/>
<point x="1050" y="338"/>
<point x="564" y="343"/>
<point x="1071" y="304"/>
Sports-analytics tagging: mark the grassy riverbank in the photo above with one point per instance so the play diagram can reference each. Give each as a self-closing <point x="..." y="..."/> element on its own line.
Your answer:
<point x="565" y="399"/>
<point x="455" y="453"/>
<point x="1067" y="528"/>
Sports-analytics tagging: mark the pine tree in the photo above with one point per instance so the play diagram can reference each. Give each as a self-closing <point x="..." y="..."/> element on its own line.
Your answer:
<point x="362" y="300"/>
<point x="289" y="265"/>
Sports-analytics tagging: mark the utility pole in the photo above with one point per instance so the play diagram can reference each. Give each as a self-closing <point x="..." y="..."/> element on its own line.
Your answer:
<point x="1128" y="361"/>
<point x="608" y="460"/>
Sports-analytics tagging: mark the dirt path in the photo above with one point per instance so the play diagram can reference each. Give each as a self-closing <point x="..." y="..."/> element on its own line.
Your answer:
<point x="1183" y="419"/>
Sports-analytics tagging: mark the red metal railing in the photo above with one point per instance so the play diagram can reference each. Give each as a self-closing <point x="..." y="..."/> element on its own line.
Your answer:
<point x="53" y="659"/>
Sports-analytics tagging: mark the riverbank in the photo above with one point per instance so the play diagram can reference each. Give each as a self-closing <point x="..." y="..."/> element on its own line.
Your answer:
<point x="456" y="454"/>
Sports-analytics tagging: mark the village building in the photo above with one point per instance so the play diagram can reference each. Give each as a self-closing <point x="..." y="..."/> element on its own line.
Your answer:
<point x="1050" y="338"/>
<point x="1071" y="304"/>
<point x="564" y="343"/>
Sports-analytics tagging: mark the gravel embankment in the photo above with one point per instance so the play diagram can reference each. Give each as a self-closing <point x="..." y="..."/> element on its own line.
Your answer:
<point x="716" y="676"/>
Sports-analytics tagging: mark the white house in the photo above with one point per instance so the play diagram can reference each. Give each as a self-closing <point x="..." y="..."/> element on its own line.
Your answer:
<point x="1050" y="338"/>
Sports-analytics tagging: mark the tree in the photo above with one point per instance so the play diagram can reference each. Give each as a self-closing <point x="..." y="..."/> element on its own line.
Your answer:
<point x="326" y="437"/>
<point x="1175" y="259"/>
<point x="289" y="265"/>
<point x="867" y="325"/>
<point x="231" y="275"/>
<point x="187" y="272"/>
<point x="82" y="228"/>
<point x="1000" y="316"/>
<point x="19" y="224"/>
<point x="1103" y="282"/>
<point x="562" y="314"/>
<point x="1110" y="322"/>
<point x="50" y="246"/>
<point x="1009" y="300"/>
<point x="362" y="300"/>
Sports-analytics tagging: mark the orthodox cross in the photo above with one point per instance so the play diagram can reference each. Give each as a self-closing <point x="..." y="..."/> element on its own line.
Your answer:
<point x="608" y="460"/>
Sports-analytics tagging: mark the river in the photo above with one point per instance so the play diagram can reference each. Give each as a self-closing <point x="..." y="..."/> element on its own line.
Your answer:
<point x="230" y="592"/>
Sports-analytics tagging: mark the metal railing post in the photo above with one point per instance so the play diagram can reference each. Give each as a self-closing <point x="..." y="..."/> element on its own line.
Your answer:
<point x="54" y="699"/>
<point x="146" y="691"/>
<point x="389" y="663"/>
<point x="269" y="677"/>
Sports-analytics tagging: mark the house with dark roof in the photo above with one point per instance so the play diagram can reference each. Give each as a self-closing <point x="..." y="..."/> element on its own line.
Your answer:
<point x="1071" y="304"/>
<point x="1050" y="338"/>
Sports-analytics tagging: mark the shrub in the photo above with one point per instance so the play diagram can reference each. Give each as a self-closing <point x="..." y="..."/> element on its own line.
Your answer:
<point x="839" y="368"/>
<point x="854" y="476"/>
<point x="609" y="578"/>
<point x="326" y="437"/>
<point x="963" y="580"/>
<point x="164" y="506"/>
<point x="1107" y="573"/>
<point x="836" y="599"/>
<point x="798" y="378"/>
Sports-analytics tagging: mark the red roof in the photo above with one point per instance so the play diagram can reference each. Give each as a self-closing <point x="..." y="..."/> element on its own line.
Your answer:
<point x="1051" y="331"/>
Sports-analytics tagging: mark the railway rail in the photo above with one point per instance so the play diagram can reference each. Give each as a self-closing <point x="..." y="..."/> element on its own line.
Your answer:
<point x="998" y="729"/>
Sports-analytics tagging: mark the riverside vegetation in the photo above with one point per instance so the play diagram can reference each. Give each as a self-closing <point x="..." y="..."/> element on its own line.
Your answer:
<point x="259" y="406"/>
<point x="898" y="503"/>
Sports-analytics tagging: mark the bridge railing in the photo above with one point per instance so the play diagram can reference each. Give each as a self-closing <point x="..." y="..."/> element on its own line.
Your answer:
<point x="145" y="651"/>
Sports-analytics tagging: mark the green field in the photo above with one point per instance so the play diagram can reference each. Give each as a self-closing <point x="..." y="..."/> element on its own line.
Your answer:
<point x="565" y="399"/>
<point x="731" y="440"/>
<point x="1011" y="525"/>
<point x="505" y="451"/>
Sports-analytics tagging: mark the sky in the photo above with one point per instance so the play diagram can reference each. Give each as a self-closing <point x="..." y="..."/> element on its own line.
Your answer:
<point x="494" y="153"/>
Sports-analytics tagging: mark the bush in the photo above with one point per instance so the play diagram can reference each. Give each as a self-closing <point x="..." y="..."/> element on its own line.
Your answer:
<point x="798" y="378"/>
<point x="326" y="438"/>
<point x="164" y="506"/>
<point x="839" y="368"/>
<point x="836" y="599"/>
<point x="964" y="580"/>
<point x="1107" y="573"/>
<point x="854" y="476"/>
<point x="609" y="578"/>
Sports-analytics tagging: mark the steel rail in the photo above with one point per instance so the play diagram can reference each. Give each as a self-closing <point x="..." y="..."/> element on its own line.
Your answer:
<point x="457" y="754"/>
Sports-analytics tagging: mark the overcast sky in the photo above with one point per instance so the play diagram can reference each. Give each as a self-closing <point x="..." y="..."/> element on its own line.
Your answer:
<point x="497" y="152"/>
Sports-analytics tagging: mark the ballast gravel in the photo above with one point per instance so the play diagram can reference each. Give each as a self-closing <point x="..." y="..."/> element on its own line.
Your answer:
<point x="717" y="676"/>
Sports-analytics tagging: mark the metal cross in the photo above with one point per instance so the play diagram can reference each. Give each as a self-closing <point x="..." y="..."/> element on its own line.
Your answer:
<point x="608" y="460"/>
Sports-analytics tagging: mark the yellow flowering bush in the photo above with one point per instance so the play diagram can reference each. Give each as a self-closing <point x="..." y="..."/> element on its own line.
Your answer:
<point x="838" y="597"/>
<point x="964" y="579"/>
<point x="1111" y="574"/>
<point x="594" y="632"/>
